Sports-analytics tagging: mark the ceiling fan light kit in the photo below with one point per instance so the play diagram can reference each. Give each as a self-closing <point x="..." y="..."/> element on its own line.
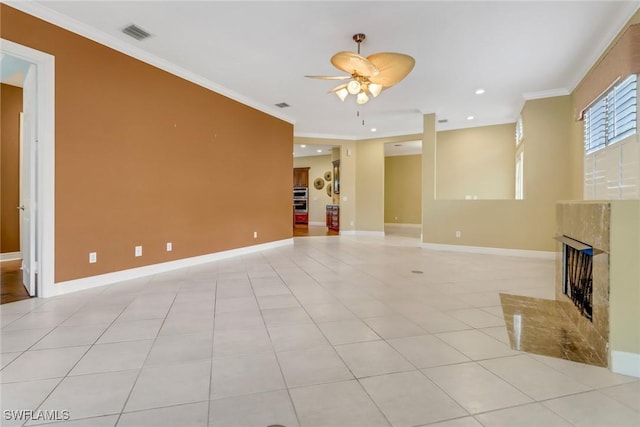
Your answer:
<point x="367" y="76"/>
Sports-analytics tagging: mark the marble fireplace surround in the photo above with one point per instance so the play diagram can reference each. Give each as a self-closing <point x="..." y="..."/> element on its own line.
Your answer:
<point x="589" y="223"/>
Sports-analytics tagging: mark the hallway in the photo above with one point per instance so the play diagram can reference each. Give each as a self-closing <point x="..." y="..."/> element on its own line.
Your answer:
<point x="11" y="282"/>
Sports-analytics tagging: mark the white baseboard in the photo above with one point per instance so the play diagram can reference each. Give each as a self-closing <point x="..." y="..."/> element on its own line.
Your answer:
<point x="320" y="223"/>
<point x="402" y="225"/>
<point x="150" y="270"/>
<point x="10" y="256"/>
<point x="491" y="251"/>
<point x="361" y="233"/>
<point x="625" y="363"/>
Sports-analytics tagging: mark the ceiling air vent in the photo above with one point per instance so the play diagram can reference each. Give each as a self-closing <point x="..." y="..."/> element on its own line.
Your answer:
<point x="443" y="121"/>
<point x="282" y="105"/>
<point x="136" y="32"/>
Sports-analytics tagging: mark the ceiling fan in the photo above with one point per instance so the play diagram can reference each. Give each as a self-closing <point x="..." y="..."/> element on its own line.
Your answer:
<point x="368" y="76"/>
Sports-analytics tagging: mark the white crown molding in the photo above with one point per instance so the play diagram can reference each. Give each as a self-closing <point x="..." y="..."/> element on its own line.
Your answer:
<point x="323" y="136"/>
<point x="491" y="251"/>
<point x="546" y="94"/>
<point x="76" y="285"/>
<point x="610" y="36"/>
<point x="77" y="27"/>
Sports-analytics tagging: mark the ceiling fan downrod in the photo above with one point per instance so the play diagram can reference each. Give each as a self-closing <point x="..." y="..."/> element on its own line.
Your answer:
<point x="359" y="38"/>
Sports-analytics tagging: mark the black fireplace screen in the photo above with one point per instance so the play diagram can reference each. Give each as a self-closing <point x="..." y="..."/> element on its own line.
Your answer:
<point x="578" y="279"/>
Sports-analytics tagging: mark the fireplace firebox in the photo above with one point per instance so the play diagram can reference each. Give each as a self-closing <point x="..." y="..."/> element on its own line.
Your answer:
<point x="578" y="277"/>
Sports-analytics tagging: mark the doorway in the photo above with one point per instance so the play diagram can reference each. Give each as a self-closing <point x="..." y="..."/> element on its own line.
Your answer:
<point x="37" y="179"/>
<point x="316" y="161"/>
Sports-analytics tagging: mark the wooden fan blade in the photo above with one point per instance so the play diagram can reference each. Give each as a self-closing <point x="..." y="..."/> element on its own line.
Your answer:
<point x="352" y="63"/>
<point x="329" y="77"/>
<point x="393" y="67"/>
<point x="337" y="88"/>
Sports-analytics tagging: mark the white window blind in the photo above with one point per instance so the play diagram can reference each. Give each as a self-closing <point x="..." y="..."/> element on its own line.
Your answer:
<point x="612" y="146"/>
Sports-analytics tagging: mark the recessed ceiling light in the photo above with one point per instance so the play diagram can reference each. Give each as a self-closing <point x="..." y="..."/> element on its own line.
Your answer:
<point x="373" y="129"/>
<point x="303" y="146"/>
<point x="470" y="117"/>
<point x="319" y="151"/>
<point x="479" y="91"/>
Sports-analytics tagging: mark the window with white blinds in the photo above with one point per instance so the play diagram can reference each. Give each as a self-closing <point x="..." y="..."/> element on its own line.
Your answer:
<point x="612" y="146"/>
<point x="613" y="117"/>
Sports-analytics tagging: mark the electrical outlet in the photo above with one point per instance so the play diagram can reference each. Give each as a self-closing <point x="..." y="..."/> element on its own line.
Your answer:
<point x="169" y="246"/>
<point x="138" y="251"/>
<point x="255" y="234"/>
<point x="458" y="234"/>
<point x="93" y="257"/>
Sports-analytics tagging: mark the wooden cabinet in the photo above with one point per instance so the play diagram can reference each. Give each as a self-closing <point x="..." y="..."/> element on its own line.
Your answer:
<point x="333" y="217"/>
<point x="301" y="177"/>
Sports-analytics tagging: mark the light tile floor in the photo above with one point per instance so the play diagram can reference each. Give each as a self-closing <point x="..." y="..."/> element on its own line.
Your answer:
<point x="332" y="331"/>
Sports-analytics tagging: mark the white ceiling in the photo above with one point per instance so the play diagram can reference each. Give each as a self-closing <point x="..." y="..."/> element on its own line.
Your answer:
<point x="258" y="53"/>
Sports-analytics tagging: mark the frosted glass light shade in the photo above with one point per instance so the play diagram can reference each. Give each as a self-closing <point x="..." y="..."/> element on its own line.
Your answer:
<point x="353" y="87"/>
<point x="362" y="98"/>
<point x="342" y="94"/>
<point x="375" y="89"/>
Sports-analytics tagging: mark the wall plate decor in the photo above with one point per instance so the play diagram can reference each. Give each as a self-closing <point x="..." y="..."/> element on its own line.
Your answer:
<point x="327" y="176"/>
<point x="328" y="190"/>
<point x="318" y="183"/>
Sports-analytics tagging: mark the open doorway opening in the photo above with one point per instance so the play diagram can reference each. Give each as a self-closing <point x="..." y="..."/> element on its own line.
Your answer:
<point x="36" y="178"/>
<point x="403" y="189"/>
<point x="14" y="74"/>
<point x="316" y="189"/>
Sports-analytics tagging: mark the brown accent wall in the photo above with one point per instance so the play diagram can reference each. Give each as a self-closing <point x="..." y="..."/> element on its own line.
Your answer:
<point x="10" y="109"/>
<point x="144" y="157"/>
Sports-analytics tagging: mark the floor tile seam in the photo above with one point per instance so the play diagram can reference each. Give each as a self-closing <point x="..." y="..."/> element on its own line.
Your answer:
<point x="519" y="405"/>
<point x="472" y="359"/>
<point x="213" y="338"/>
<point x="39" y="406"/>
<point x="398" y="314"/>
<point x="89" y="346"/>
<point x="315" y="323"/>
<point x="577" y="380"/>
<point x="273" y="351"/>
<point x="598" y="391"/>
<point x="544" y="403"/>
<point x="491" y="336"/>
<point x="374" y="402"/>
<point x="208" y="401"/>
<point x="449" y="310"/>
<point x="525" y="393"/>
<point x="135" y="381"/>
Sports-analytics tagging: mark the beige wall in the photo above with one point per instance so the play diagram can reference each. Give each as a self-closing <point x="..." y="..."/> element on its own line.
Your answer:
<point x="144" y="157"/>
<point x="370" y="186"/>
<point x="11" y="102"/>
<point x="403" y="189"/>
<point x="624" y="271"/>
<point x="510" y="224"/>
<point x="476" y="162"/>
<point x="318" y="199"/>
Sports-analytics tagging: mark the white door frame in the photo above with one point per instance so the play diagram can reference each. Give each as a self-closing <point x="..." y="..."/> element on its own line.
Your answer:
<point x="44" y="198"/>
